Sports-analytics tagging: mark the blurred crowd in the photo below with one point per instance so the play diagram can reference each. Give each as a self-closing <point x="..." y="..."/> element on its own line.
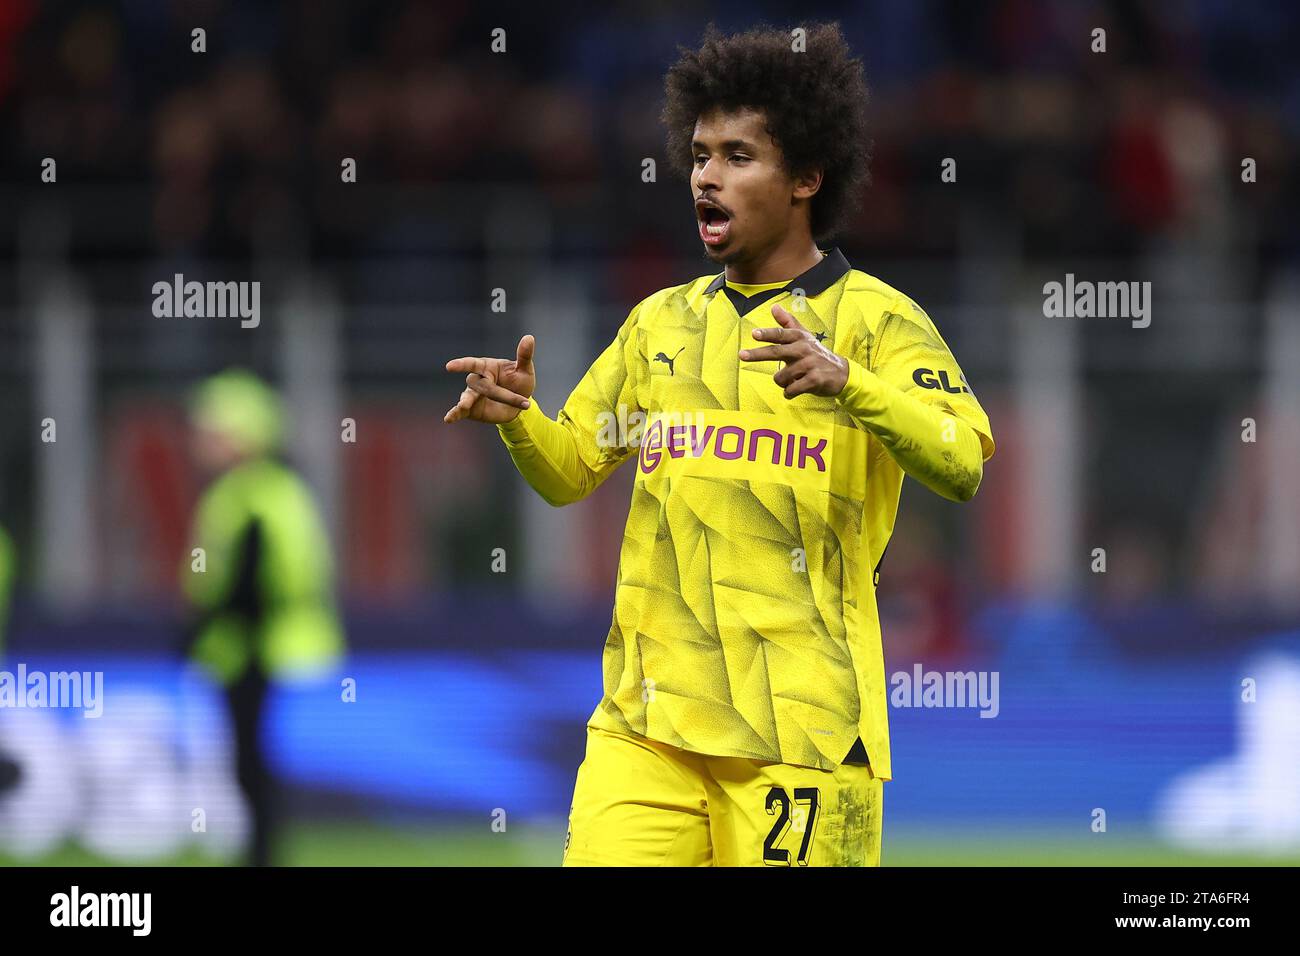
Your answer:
<point x="257" y="125"/>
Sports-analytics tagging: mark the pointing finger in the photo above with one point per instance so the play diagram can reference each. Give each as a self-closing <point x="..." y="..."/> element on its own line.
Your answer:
<point x="780" y="335"/>
<point x="468" y="364"/>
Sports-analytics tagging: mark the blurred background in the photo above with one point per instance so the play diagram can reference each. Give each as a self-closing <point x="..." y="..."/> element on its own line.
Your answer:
<point x="1120" y="690"/>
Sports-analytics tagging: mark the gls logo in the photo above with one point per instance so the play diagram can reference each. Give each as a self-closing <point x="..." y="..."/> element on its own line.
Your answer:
<point x="927" y="378"/>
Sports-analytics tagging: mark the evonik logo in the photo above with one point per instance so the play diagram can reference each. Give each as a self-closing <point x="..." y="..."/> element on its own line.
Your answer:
<point x="729" y="443"/>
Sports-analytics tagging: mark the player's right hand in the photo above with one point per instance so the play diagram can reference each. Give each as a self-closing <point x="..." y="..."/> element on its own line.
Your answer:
<point x="496" y="389"/>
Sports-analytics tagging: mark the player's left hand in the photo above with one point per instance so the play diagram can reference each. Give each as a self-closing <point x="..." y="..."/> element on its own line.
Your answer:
<point x="809" y="366"/>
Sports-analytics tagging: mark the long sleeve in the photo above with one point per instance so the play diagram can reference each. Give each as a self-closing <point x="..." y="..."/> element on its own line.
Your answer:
<point x="936" y="448"/>
<point x="915" y="400"/>
<point x="566" y="458"/>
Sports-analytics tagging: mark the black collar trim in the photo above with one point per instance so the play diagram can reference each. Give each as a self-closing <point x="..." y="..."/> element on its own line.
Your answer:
<point x="814" y="281"/>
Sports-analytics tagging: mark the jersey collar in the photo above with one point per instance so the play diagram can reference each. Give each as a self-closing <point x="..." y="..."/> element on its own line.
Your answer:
<point x="813" y="282"/>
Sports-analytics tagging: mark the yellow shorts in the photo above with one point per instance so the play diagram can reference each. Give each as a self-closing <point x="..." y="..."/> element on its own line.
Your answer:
<point x="639" y="802"/>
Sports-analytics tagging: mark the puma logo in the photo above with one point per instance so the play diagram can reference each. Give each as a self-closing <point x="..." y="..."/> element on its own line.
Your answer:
<point x="661" y="357"/>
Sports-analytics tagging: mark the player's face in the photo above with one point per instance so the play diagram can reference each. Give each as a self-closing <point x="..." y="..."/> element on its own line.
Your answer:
<point x="741" y="189"/>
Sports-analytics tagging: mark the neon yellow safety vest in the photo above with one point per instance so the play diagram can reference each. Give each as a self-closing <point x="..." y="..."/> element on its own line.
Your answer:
<point x="263" y="581"/>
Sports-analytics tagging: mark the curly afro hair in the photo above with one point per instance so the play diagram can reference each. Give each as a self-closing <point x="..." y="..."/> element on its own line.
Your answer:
<point x="814" y="102"/>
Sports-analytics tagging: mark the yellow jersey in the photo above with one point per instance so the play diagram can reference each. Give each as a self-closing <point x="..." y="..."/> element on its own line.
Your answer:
<point x="745" y="620"/>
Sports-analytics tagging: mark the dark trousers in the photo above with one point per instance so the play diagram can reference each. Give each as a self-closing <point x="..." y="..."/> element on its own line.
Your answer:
<point x="246" y="699"/>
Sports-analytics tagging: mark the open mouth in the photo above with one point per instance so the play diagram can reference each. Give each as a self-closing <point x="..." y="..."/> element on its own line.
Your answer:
<point x="715" y="224"/>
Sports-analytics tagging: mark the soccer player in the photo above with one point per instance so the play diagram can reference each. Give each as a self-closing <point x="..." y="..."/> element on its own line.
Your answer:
<point x="774" y="409"/>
